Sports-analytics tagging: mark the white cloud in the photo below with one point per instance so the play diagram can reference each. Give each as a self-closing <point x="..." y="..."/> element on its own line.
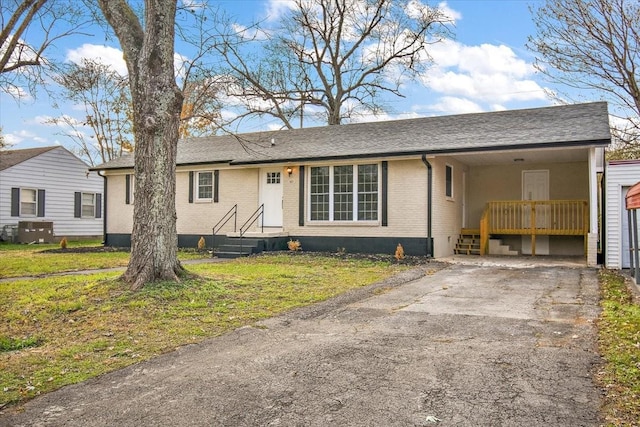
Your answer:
<point x="193" y="4"/>
<point x="485" y="73"/>
<point x="449" y="13"/>
<point x="14" y="138"/>
<point x="277" y="8"/>
<point x="104" y="54"/>
<point x="454" y="105"/>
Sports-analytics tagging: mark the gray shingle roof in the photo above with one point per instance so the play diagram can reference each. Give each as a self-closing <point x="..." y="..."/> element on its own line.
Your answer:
<point x="568" y="125"/>
<point x="10" y="158"/>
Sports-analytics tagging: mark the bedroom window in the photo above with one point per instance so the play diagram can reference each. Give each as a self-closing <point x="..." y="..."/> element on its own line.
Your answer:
<point x="344" y="193"/>
<point x="28" y="202"/>
<point x="449" y="181"/>
<point x="205" y="186"/>
<point x="88" y="205"/>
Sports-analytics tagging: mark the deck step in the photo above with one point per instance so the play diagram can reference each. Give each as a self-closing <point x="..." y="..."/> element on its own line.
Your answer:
<point x="468" y="242"/>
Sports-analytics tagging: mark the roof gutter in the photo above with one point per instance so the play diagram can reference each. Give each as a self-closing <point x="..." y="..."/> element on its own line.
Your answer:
<point x="104" y="207"/>
<point x="429" y="205"/>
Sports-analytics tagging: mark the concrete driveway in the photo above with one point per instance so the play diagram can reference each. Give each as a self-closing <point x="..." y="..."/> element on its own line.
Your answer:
<point x="452" y="345"/>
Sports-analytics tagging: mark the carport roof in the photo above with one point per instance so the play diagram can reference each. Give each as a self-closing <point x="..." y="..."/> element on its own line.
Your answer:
<point x="575" y="125"/>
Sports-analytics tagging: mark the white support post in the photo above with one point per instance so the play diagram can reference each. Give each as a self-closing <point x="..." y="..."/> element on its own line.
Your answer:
<point x="592" y="241"/>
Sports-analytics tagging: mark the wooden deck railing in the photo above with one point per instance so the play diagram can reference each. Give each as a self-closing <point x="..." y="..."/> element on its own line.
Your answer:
<point x="534" y="217"/>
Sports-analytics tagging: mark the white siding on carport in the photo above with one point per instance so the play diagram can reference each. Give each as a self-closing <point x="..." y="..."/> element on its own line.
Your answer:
<point x="620" y="175"/>
<point x="60" y="174"/>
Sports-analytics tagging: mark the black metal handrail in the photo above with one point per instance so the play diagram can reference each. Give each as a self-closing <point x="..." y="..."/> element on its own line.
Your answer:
<point x="258" y="213"/>
<point x="231" y="213"/>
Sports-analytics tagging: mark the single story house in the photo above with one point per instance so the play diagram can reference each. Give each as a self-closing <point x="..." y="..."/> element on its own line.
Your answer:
<point x="49" y="187"/>
<point x="517" y="182"/>
<point x="620" y="176"/>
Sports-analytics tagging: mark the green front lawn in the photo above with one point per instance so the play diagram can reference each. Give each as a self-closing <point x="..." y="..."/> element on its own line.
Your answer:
<point x="619" y="344"/>
<point x="61" y="330"/>
<point x="37" y="260"/>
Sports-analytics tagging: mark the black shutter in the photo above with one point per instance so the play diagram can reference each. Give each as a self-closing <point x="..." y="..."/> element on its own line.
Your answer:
<point x="216" y="185"/>
<point x="98" y="205"/>
<point x="301" y="198"/>
<point x="15" y="202"/>
<point x="385" y="174"/>
<point x="127" y="189"/>
<point x="40" y="203"/>
<point x="191" y="187"/>
<point x="77" y="205"/>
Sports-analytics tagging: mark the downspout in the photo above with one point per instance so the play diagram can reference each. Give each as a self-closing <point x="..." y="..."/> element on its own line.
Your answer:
<point x="104" y="209"/>
<point x="429" y="204"/>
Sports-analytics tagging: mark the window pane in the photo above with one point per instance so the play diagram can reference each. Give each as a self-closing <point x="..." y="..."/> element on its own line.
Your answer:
<point x="449" y="181"/>
<point x="319" y="193"/>
<point x="88" y="206"/>
<point x="273" y="177"/>
<point x="343" y="193"/>
<point x="205" y="185"/>
<point x="367" y="192"/>
<point x="28" y="205"/>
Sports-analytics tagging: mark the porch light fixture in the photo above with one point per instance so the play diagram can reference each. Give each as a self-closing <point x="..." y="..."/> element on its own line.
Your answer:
<point x="519" y="159"/>
<point x="289" y="170"/>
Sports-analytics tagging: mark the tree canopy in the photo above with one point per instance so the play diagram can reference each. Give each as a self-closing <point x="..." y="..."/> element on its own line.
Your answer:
<point x="594" y="46"/>
<point x="334" y="57"/>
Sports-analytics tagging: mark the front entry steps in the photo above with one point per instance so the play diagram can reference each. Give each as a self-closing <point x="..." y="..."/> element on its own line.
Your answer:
<point x="234" y="248"/>
<point x="231" y="245"/>
<point x="468" y="243"/>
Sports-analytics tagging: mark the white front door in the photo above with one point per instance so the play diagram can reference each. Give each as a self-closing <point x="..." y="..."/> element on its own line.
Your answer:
<point x="271" y="196"/>
<point x="535" y="186"/>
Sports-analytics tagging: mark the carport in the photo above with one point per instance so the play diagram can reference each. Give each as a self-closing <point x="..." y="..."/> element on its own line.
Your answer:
<point x="632" y="204"/>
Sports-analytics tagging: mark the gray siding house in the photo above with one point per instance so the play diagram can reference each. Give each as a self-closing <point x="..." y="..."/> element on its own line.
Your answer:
<point x="518" y="182"/>
<point x="621" y="175"/>
<point x="50" y="184"/>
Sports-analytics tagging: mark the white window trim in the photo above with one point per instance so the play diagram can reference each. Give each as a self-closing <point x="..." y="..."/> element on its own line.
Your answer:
<point x="196" y="184"/>
<point x="331" y="220"/>
<point x="22" y="213"/>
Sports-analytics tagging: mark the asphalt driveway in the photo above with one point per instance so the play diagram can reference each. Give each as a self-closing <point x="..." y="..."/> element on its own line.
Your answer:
<point x="463" y="345"/>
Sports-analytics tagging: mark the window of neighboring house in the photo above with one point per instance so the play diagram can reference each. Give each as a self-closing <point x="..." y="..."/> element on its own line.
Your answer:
<point x="129" y="187"/>
<point x="204" y="182"/>
<point x="344" y="193"/>
<point x="449" y="181"/>
<point x="88" y="205"/>
<point x="28" y="202"/>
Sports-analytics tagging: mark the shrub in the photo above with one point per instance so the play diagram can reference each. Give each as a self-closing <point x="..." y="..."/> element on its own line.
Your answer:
<point x="201" y="243"/>
<point x="399" y="252"/>
<point x="294" y="245"/>
<point x="63" y="243"/>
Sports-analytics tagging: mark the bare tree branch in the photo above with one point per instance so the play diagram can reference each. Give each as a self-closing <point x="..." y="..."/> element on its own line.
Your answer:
<point x="22" y="52"/>
<point x="593" y="46"/>
<point x="328" y="52"/>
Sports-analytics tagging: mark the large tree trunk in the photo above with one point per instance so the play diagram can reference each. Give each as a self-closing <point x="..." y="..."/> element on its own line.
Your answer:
<point x="157" y="102"/>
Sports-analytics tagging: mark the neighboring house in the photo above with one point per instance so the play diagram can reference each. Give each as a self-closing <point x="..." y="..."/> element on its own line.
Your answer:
<point x="50" y="184"/>
<point x="527" y="177"/>
<point x="620" y="175"/>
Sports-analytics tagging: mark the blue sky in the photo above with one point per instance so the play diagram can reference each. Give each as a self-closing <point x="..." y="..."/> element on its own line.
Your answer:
<point x="486" y="67"/>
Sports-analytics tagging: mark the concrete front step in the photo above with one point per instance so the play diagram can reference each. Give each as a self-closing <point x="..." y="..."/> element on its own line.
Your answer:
<point x="497" y="248"/>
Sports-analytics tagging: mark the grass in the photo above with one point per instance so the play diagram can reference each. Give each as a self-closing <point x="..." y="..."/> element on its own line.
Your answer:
<point x="619" y="344"/>
<point x="65" y="329"/>
<point x="33" y="260"/>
